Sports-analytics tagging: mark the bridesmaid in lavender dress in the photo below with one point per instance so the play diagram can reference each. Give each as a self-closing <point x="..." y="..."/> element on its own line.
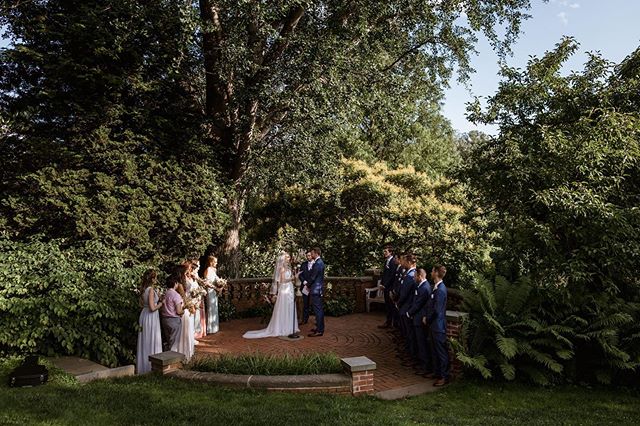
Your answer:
<point x="149" y="336"/>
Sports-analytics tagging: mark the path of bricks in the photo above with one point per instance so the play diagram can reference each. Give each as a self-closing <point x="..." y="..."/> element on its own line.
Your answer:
<point x="347" y="336"/>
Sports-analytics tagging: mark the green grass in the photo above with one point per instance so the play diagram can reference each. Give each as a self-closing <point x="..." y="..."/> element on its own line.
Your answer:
<point x="268" y="365"/>
<point x="155" y="400"/>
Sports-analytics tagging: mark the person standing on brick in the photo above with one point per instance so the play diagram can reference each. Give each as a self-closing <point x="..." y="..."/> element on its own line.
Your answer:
<point x="387" y="279"/>
<point x="437" y="319"/>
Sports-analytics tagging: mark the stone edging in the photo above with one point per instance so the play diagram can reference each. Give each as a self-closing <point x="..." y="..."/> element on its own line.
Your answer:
<point x="124" y="371"/>
<point x="338" y="383"/>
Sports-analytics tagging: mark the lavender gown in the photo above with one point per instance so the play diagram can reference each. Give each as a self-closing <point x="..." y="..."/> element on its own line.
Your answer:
<point x="149" y="337"/>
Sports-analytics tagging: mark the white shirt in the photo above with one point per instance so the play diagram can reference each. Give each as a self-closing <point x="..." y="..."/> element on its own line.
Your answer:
<point x="437" y="284"/>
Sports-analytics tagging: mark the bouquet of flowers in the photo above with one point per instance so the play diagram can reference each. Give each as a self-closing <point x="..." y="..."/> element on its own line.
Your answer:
<point x="221" y="283"/>
<point x="197" y="293"/>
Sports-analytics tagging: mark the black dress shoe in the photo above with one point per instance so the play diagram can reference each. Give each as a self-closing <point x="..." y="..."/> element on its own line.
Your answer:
<point x="315" y="334"/>
<point x="441" y="382"/>
<point x="313" y="330"/>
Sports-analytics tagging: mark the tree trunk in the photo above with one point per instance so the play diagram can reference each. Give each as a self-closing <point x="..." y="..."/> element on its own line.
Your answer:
<point x="230" y="250"/>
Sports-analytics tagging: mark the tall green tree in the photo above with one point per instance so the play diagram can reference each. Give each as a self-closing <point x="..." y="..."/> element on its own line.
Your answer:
<point x="560" y="184"/>
<point x="102" y="121"/>
<point x="269" y="64"/>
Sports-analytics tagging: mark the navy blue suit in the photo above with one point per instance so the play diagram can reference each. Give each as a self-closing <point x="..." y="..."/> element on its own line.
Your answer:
<point x="437" y="318"/>
<point x="304" y="275"/>
<point x="316" y="283"/>
<point x="407" y="289"/>
<point x="395" y="288"/>
<point x="387" y="280"/>
<point x="417" y="311"/>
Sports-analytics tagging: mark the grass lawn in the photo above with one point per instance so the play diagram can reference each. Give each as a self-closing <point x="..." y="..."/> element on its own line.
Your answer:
<point x="159" y="400"/>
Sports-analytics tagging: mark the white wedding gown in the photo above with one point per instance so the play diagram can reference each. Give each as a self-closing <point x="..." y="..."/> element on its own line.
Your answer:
<point x="284" y="319"/>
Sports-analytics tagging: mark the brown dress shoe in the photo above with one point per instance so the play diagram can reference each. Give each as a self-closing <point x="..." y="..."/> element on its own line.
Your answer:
<point x="441" y="382"/>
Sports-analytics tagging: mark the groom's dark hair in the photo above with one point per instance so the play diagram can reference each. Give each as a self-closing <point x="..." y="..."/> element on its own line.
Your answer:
<point x="317" y="250"/>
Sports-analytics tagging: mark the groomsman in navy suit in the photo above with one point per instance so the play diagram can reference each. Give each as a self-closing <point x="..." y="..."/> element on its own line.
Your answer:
<point x="305" y="268"/>
<point x="387" y="280"/>
<point x="437" y="319"/>
<point x="418" y="314"/>
<point x="407" y="289"/>
<point x="315" y="282"/>
<point x="395" y="290"/>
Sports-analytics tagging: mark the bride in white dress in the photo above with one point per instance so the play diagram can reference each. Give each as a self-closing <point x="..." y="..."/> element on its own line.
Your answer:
<point x="284" y="319"/>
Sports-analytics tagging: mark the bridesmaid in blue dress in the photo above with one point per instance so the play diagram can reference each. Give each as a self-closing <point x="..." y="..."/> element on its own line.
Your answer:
<point x="149" y="336"/>
<point x="211" y="277"/>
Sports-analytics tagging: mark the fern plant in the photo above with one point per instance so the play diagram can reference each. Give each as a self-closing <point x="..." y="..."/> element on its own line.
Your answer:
<point x="505" y="335"/>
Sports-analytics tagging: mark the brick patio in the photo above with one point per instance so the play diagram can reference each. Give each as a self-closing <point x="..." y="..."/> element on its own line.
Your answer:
<point x="348" y="336"/>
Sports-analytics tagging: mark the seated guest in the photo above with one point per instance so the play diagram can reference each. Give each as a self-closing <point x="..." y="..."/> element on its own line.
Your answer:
<point x="418" y="314"/>
<point x="171" y="312"/>
<point x="437" y="319"/>
<point x="149" y="336"/>
<point x="407" y="290"/>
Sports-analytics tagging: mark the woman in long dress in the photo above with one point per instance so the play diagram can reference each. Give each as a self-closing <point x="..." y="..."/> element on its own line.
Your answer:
<point x="284" y="320"/>
<point x="149" y="336"/>
<point x="199" y="317"/>
<point x="211" y="276"/>
<point x="185" y="344"/>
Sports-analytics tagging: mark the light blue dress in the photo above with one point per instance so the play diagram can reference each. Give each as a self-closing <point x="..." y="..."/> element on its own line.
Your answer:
<point x="149" y="336"/>
<point x="212" y="303"/>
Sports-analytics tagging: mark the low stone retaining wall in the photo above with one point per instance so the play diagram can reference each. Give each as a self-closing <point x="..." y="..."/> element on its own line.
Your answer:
<point x="322" y="383"/>
<point x="357" y="379"/>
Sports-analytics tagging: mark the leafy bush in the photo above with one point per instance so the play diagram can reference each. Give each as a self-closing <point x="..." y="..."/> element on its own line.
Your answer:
<point x="506" y="336"/>
<point x="339" y="306"/>
<point x="79" y="300"/>
<point x="268" y="365"/>
<point x="226" y="309"/>
<point x="561" y="186"/>
<point x="370" y="205"/>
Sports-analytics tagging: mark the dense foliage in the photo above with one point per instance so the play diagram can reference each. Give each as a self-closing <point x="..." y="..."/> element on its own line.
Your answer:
<point x="76" y="301"/>
<point x="369" y="205"/>
<point x="268" y="365"/>
<point x="561" y="186"/>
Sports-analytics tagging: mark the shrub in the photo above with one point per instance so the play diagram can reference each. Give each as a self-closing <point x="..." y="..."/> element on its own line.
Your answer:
<point x="226" y="309"/>
<point x="506" y="336"/>
<point x="339" y="306"/>
<point x="268" y="365"/>
<point x="79" y="300"/>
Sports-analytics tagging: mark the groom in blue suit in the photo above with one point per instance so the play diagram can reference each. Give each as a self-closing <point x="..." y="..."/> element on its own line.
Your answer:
<point x="315" y="282"/>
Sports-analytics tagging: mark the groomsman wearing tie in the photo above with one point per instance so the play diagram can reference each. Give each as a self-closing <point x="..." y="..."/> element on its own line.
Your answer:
<point x="303" y="276"/>
<point x="387" y="281"/>
<point x="437" y="319"/>
<point x="405" y="301"/>
<point x="395" y="290"/>
<point x="418" y="315"/>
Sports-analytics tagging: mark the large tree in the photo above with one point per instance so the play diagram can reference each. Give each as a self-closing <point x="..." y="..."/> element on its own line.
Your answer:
<point x="271" y="65"/>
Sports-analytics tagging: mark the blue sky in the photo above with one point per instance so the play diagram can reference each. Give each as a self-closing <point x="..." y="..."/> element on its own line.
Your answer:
<point x="608" y="26"/>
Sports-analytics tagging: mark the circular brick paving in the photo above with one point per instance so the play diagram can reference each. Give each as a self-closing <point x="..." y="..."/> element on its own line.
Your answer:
<point x="347" y="336"/>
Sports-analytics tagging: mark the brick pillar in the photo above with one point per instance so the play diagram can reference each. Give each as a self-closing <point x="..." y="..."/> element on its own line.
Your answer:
<point x="361" y="371"/>
<point x="455" y="322"/>
<point x="165" y="362"/>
